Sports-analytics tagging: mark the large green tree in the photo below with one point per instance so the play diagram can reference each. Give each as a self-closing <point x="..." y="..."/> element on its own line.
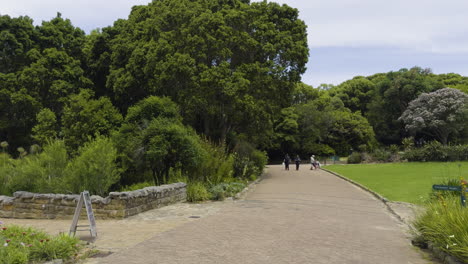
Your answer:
<point x="40" y="66"/>
<point x="394" y="92"/>
<point x="231" y="65"/>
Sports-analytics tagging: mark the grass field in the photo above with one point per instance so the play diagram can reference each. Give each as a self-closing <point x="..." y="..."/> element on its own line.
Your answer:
<point x="407" y="182"/>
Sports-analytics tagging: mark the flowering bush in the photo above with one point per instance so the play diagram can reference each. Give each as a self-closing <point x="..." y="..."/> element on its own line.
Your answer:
<point x="25" y="244"/>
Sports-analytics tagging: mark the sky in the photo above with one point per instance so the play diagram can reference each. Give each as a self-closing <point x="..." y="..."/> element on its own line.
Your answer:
<point x="346" y="38"/>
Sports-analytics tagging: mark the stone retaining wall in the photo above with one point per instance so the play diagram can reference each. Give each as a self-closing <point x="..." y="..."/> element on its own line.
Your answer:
<point x="116" y="205"/>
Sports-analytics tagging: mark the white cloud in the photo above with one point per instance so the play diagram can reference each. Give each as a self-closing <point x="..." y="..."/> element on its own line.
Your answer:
<point x="419" y="25"/>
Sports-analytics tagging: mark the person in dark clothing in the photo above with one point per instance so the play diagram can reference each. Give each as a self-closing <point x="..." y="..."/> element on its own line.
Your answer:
<point x="298" y="161"/>
<point x="287" y="159"/>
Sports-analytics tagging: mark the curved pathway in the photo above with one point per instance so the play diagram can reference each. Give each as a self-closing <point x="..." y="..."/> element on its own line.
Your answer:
<point x="290" y="217"/>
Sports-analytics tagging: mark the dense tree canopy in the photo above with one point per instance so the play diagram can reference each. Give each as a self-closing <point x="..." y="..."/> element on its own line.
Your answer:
<point x="356" y="94"/>
<point x="394" y="92"/>
<point x="216" y="59"/>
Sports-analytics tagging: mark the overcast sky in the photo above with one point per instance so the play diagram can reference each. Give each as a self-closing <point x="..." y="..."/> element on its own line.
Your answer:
<point x="346" y="37"/>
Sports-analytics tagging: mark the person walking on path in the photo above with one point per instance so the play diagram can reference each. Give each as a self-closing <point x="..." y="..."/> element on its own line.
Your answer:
<point x="287" y="159"/>
<point x="312" y="162"/>
<point x="298" y="161"/>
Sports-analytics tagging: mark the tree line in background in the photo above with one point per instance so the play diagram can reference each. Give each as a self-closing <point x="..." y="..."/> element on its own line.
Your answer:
<point x="409" y="107"/>
<point x="197" y="91"/>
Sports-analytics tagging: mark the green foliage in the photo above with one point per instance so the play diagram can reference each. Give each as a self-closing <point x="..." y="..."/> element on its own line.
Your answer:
<point x="151" y="128"/>
<point x="230" y="66"/>
<point x="221" y="191"/>
<point x="248" y="162"/>
<point x="356" y="94"/>
<point x="43" y="172"/>
<point x="51" y="171"/>
<point x="152" y="107"/>
<point x="395" y="90"/>
<point x="168" y="143"/>
<point x="355" y="158"/>
<point x="443" y="222"/>
<point x="95" y="168"/>
<point x="326" y="127"/>
<point x="435" y="151"/>
<point x="408" y="143"/>
<point x="16" y="38"/>
<point x="46" y="127"/>
<point x="454" y="80"/>
<point x="196" y="191"/>
<point x="136" y="186"/>
<point x="40" y="67"/>
<point x="84" y="117"/>
<point x="216" y="167"/>
<point x="304" y="93"/>
<point x="286" y="130"/>
<point x="27" y="245"/>
<point x="381" y="154"/>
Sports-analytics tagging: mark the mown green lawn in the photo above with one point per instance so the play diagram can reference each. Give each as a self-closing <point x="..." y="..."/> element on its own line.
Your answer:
<point x="408" y="182"/>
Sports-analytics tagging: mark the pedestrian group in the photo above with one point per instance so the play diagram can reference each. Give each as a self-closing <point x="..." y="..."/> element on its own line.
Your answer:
<point x="314" y="164"/>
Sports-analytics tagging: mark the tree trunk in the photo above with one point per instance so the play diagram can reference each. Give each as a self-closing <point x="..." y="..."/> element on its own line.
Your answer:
<point x="166" y="176"/>
<point x="155" y="177"/>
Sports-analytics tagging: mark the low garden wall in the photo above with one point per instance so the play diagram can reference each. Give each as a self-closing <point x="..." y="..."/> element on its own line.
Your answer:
<point x="116" y="205"/>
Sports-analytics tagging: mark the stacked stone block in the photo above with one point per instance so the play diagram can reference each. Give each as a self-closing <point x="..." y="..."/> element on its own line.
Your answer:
<point x="117" y="205"/>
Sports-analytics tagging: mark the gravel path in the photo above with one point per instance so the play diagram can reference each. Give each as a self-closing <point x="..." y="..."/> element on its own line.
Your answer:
<point x="291" y="217"/>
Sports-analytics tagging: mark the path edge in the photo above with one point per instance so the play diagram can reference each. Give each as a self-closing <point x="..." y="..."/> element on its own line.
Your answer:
<point x="376" y="195"/>
<point x="241" y="195"/>
<point x="441" y="255"/>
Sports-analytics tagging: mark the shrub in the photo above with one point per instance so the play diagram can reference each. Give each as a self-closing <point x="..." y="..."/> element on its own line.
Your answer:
<point x="43" y="172"/>
<point x="26" y="244"/>
<point x="393" y="149"/>
<point x="217" y="165"/>
<point x="444" y="224"/>
<point x="248" y="162"/>
<point x="354" y="158"/>
<point x="196" y="191"/>
<point x="95" y="168"/>
<point x="259" y="160"/>
<point x="381" y="155"/>
<point x="249" y="166"/>
<point x="223" y="190"/>
<point x="435" y="151"/>
<point x="408" y="143"/>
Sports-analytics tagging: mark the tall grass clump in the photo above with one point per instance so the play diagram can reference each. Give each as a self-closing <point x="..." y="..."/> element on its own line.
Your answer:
<point x="28" y="245"/>
<point x="444" y="223"/>
<point x="217" y="165"/>
<point x="197" y="191"/>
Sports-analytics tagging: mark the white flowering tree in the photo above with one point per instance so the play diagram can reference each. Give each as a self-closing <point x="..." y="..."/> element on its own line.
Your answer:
<point x="438" y="114"/>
